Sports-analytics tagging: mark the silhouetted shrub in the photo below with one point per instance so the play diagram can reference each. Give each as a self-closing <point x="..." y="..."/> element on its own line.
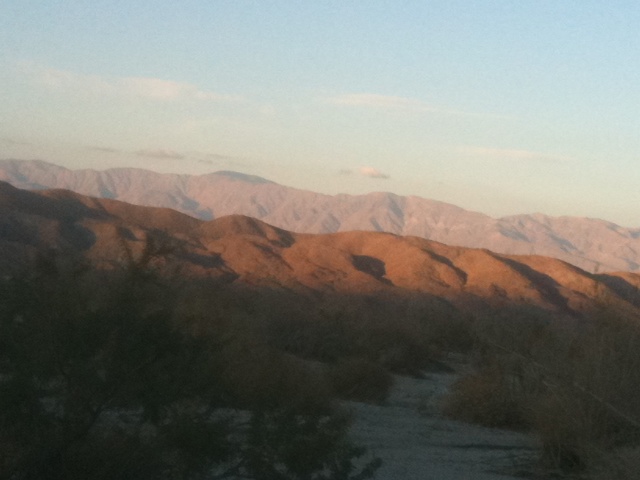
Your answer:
<point x="99" y="379"/>
<point x="286" y="445"/>
<point x="361" y="380"/>
<point x="381" y="334"/>
<point x="257" y="377"/>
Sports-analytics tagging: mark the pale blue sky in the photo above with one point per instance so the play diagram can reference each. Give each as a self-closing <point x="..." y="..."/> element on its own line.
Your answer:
<point x="502" y="107"/>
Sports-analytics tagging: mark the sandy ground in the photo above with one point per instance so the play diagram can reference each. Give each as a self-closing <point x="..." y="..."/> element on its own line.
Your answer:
<point x="416" y="442"/>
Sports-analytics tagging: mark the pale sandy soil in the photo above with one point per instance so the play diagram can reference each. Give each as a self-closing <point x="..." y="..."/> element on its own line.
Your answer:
<point x="416" y="442"/>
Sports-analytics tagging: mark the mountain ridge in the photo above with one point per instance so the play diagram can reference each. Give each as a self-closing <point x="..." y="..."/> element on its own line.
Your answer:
<point x="592" y="244"/>
<point x="243" y="252"/>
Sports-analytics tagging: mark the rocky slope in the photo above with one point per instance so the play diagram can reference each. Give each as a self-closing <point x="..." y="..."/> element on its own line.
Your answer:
<point x="239" y="250"/>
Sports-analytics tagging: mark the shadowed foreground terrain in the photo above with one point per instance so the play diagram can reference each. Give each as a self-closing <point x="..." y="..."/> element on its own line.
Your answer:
<point x="417" y="442"/>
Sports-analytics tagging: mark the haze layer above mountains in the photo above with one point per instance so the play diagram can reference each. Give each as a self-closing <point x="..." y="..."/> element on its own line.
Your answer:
<point x="591" y="244"/>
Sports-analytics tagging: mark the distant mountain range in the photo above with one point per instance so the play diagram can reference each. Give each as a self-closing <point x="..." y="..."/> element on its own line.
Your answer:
<point x="591" y="244"/>
<point x="239" y="251"/>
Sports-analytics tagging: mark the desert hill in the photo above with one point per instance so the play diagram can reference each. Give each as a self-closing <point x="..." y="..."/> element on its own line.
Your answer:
<point x="244" y="252"/>
<point x="591" y="244"/>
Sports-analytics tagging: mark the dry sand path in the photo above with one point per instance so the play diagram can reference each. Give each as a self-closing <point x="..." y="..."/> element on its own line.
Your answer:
<point x="416" y="442"/>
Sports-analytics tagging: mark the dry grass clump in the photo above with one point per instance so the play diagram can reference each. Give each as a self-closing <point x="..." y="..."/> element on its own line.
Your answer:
<point x="575" y="386"/>
<point x="487" y="397"/>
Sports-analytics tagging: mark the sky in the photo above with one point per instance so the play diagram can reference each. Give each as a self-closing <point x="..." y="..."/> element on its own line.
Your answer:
<point x="502" y="107"/>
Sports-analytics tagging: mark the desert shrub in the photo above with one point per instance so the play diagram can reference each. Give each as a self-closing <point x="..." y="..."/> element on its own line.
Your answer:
<point x="450" y="331"/>
<point x="285" y="445"/>
<point x="383" y="335"/>
<point x="620" y="464"/>
<point x="489" y="396"/>
<point x="325" y="337"/>
<point x="402" y="345"/>
<point x="571" y="431"/>
<point x="258" y="377"/>
<point x="361" y="380"/>
<point x="253" y="372"/>
<point x="592" y="404"/>
<point x="73" y="366"/>
<point x="573" y="382"/>
<point x="99" y="379"/>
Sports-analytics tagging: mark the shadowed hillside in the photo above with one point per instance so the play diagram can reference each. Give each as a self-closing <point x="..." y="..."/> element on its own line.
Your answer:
<point x="243" y="252"/>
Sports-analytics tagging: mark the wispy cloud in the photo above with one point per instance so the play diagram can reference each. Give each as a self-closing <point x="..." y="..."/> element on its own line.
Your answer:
<point x="141" y="87"/>
<point x="160" y="153"/>
<point x="372" y="172"/>
<point x="511" y="154"/>
<point x="392" y="103"/>
<point x="104" y="149"/>
<point x="219" y="156"/>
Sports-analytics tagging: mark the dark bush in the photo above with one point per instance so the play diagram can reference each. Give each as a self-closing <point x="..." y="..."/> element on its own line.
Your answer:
<point x="99" y="379"/>
<point x="361" y="380"/>
<point x="488" y="397"/>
